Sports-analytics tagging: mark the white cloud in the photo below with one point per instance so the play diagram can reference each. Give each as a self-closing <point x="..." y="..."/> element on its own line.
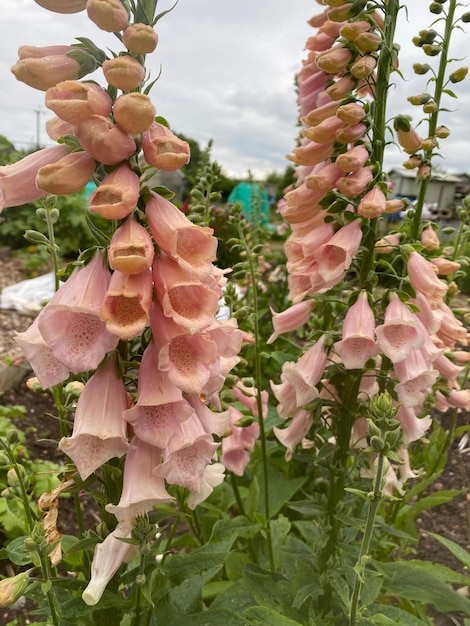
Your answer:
<point x="227" y="74"/>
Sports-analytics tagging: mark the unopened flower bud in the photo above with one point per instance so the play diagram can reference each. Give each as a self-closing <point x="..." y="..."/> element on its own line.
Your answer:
<point x="428" y="144"/>
<point x="346" y="11"/>
<point x="376" y="443"/>
<point x="33" y="384"/>
<point x="124" y="72"/>
<point x="430" y="107"/>
<point x="59" y="6"/>
<point x="412" y="163"/>
<point x="445" y="267"/>
<point x="372" y="204"/>
<point x="394" y="206"/>
<point x="466" y="17"/>
<point x="134" y="112"/>
<point x="334" y="60"/>
<point x="421" y="68"/>
<point x="428" y="35"/>
<point x="351" y="113"/>
<point x="432" y="50"/>
<point x="341" y="88"/>
<point x="351" y="134"/>
<point x="368" y="42"/>
<point x="140" y="38"/>
<point x="74" y="388"/>
<point x="419" y="99"/>
<point x="424" y="172"/>
<point x="11" y="589"/>
<point x="429" y="239"/>
<point x="436" y="8"/>
<point x="351" y="30"/>
<point x="12" y="478"/>
<point x="442" y="132"/>
<point x="363" y="66"/>
<point x="109" y="15"/>
<point x="409" y="140"/>
<point x="458" y="75"/>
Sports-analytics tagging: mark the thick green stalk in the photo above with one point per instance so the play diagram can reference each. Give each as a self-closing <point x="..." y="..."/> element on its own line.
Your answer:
<point x="433" y="118"/>
<point x="379" y="119"/>
<point x="375" y="500"/>
<point x="258" y="376"/>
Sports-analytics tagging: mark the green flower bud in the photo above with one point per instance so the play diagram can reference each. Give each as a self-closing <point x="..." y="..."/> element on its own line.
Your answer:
<point x="442" y="132"/>
<point x="466" y="17"/>
<point x="11" y="589"/>
<point x="30" y="544"/>
<point x="458" y="75"/>
<point x="428" y="35"/>
<point x="421" y="68"/>
<point x="417" y="41"/>
<point x="436" y="8"/>
<point x="430" y="107"/>
<point x="4" y="460"/>
<point x="421" y="98"/>
<point x="376" y="443"/>
<point x="431" y="50"/>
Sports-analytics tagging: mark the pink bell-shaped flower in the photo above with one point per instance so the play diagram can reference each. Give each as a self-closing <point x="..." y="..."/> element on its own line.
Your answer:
<point x="127" y="303"/>
<point x="103" y="140"/>
<point x="335" y="257"/>
<point x="68" y="175"/>
<point x="163" y="149"/>
<point x="237" y="445"/>
<point x="193" y="247"/>
<point x="358" y="343"/>
<point x="424" y="279"/>
<point x="73" y="101"/>
<point x="413" y="426"/>
<point x="99" y="430"/>
<point x="290" y="319"/>
<point x="191" y="303"/>
<point x="400" y="333"/>
<point x="18" y="181"/>
<point x="58" y="6"/>
<point x="295" y="432"/>
<point x="416" y="379"/>
<point x="124" y="72"/>
<point x="117" y="194"/>
<point x="141" y="488"/>
<point x="48" y="370"/>
<point x="131" y="248"/>
<point x="44" y="67"/>
<point x="70" y="323"/>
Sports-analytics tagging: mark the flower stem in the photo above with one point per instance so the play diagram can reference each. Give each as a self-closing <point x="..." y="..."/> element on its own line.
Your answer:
<point x="375" y="499"/>
<point x="433" y="118"/>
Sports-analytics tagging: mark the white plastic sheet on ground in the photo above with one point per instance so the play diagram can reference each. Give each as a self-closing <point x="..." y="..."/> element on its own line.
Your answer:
<point x="27" y="296"/>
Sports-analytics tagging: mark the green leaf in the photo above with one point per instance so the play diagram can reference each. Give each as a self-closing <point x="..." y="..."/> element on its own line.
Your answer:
<point x="16" y="552"/>
<point x="263" y="616"/>
<point x="435" y="499"/>
<point x="391" y="615"/>
<point x="405" y="580"/>
<point x="460" y="553"/>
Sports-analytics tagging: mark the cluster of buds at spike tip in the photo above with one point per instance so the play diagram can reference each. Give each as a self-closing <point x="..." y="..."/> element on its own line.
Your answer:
<point x="156" y="279"/>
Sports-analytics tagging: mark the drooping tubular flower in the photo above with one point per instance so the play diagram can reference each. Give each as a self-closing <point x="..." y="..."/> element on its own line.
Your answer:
<point x="238" y="444"/>
<point x="126" y="306"/>
<point x="193" y="247"/>
<point x="358" y="343"/>
<point x="117" y="194"/>
<point x="73" y="101"/>
<point x="400" y="333"/>
<point x="290" y="319"/>
<point x="68" y="175"/>
<point x="108" y="557"/>
<point x="18" y="181"/>
<point x="42" y="68"/>
<point x="424" y="279"/>
<point x="104" y="141"/>
<point x="109" y="15"/>
<point x="59" y="6"/>
<point x="99" y="431"/>
<point x="70" y="323"/>
<point x="163" y="149"/>
<point x="131" y="248"/>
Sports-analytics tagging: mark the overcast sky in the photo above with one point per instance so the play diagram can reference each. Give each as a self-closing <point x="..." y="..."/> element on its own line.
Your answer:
<point x="228" y="72"/>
